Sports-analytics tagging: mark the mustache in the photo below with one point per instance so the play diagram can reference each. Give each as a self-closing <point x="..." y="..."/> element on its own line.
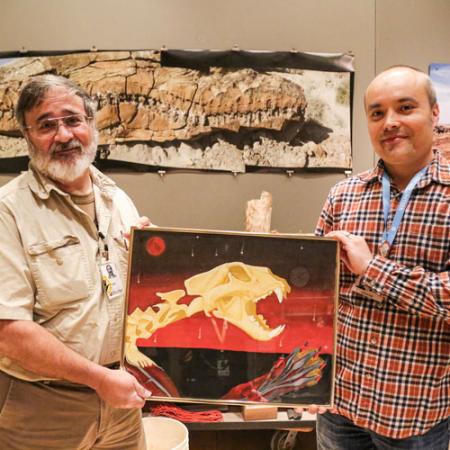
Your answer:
<point x="64" y="146"/>
<point x="392" y="135"/>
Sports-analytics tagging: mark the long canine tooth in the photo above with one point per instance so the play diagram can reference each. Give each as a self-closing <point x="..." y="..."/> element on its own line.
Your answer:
<point x="276" y="331"/>
<point x="279" y="295"/>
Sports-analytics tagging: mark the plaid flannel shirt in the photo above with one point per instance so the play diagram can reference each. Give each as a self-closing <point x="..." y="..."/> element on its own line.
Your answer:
<point x="393" y="339"/>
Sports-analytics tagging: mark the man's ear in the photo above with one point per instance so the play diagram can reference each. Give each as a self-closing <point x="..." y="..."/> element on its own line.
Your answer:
<point x="435" y="114"/>
<point x="26" y="136"/>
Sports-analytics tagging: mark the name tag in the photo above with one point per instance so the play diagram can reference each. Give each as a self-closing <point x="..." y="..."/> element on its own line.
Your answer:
<point x="112" y="284"/>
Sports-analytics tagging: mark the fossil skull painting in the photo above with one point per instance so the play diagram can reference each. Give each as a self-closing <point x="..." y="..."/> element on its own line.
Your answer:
<point x="230" y="292"/>
<point x="229" y="317"/>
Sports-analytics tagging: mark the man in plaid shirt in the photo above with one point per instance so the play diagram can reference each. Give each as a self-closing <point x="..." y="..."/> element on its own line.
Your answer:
<point x="393" y="224"/>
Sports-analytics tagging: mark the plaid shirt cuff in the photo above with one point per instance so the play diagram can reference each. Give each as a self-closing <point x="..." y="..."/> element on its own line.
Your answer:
<point x="372" y="283"/>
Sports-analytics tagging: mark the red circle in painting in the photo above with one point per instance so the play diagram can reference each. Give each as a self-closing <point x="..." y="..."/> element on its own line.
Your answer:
<point x="155" y="246"/>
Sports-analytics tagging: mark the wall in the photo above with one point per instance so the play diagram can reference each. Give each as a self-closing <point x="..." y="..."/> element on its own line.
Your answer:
<point x="378" y="32"/>
<point x="414" y="32"/>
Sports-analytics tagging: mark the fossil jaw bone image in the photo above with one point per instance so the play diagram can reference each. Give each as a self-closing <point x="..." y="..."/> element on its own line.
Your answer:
<point x="229" y="291"/>
<point x="216" y="118"/>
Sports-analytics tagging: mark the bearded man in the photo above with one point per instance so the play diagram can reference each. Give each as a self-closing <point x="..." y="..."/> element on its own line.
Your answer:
<point x="62" y="224"/>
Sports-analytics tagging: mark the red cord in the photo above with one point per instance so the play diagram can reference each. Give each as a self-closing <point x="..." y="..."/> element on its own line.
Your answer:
<point x="183" y="415"/>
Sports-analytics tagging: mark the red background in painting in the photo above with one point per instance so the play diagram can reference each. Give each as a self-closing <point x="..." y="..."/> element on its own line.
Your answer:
<point x="308" y="315"/>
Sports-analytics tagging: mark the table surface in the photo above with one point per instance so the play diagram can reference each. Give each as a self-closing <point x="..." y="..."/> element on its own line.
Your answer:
<point x="233" y="420"/>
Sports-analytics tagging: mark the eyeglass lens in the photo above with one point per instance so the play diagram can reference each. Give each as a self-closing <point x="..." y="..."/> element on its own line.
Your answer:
<point x="51" y="125"/>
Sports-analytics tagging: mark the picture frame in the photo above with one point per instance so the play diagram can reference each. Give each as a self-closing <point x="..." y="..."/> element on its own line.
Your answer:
<point x="225" y="317"/>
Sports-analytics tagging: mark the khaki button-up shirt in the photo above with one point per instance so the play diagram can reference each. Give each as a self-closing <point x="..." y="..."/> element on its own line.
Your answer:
<point x="50" y="259"/>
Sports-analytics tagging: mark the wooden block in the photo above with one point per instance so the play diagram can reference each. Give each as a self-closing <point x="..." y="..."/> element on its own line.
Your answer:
<point x="259" y="412"/>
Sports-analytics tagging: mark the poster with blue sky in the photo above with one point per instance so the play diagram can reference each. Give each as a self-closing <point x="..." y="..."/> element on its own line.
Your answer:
<point x="440" y="75"/>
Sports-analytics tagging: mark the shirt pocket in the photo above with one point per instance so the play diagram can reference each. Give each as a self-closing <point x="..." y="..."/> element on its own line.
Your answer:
<point x="120" y="248"/>
<point x="60" y="270"/>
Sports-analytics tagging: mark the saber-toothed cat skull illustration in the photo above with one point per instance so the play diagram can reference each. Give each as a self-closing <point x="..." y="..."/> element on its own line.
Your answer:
<point x="230" y="292"/>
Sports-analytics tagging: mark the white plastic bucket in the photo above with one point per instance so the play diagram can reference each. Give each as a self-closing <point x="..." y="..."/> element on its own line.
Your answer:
<point x="163" y="433"/>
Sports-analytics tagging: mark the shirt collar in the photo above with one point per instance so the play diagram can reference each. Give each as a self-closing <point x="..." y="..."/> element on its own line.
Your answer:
<point x="42" y="186"/>
<point x="440" y="168"/>
<point x="438" y="171"/>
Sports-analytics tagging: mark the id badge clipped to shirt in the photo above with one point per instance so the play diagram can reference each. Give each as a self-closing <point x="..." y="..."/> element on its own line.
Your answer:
<point x="112" y="284"/>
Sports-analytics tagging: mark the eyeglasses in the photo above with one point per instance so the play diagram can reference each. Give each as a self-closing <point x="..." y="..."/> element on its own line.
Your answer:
<point x="50" y="126"/>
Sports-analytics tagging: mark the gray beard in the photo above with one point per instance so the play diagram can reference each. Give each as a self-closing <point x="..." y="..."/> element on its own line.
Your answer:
<point x="64" y="169"/>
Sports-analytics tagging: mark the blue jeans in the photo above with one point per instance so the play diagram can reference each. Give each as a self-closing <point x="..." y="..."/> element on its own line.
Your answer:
<point x="335" y="432"/>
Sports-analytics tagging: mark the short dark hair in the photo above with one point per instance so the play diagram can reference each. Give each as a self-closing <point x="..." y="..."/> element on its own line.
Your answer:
<point x="33" y="93"/>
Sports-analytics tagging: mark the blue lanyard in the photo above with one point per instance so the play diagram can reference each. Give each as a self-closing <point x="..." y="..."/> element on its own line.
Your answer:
<point x="389" y="235"/>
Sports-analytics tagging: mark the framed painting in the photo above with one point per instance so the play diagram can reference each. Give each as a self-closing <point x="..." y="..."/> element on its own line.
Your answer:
<point x="232" y="318"/>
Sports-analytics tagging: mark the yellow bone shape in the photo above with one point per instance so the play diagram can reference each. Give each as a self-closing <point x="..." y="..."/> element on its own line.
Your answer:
<point x="231" y="292"/>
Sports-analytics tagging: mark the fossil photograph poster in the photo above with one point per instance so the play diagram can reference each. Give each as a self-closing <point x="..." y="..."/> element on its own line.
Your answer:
<point x="233" y="111"/>
<point x="231" y="318"/>
<point x="440" y="76"/>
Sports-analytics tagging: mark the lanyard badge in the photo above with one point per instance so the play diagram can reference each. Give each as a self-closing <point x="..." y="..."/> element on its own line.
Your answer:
<point x="112" y="284"/>
<point x="389" y="234"/>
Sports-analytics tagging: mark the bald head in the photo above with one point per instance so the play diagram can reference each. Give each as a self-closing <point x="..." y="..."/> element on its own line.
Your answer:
<point x="397" y="72"/>
<point x="401" y="114"/>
